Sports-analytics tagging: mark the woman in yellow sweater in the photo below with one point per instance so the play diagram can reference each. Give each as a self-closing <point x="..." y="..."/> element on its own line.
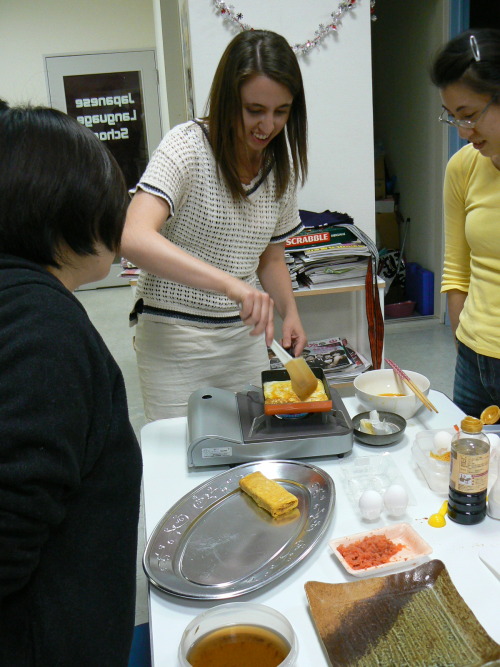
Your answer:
<point x="467" y="72"/>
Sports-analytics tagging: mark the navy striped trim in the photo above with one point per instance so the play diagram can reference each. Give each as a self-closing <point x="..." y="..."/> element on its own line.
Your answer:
<point x="265" y="173"/>
<point x="153" y="190"/>
<point x="283" y="237"/>
<point x="140" y="309"/>
<point x="257" y="185"/>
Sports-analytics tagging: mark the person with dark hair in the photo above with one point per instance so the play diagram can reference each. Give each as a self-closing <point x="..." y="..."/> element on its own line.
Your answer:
<point x="467" y="72"/>
<point x="70" y="464"/>
<point x="212" y="213"/>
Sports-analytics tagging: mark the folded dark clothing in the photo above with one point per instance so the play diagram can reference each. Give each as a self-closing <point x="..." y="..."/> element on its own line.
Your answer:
<point x="326" y="218"/>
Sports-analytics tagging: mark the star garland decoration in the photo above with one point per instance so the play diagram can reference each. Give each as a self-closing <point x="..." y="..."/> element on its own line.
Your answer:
<point x="230" y="15"/>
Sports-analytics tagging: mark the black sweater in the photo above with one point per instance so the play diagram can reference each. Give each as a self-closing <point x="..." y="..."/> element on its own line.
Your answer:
<point x="70" y="470"/>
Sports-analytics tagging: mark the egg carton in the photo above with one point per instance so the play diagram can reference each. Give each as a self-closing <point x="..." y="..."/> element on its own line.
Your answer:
<point x="377" y="473"/>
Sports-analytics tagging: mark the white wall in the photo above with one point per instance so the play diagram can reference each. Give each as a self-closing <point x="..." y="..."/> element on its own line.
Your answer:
<point x="337" y="75"/>
<point x="337" y="78"/>
<point x="31" y="29"/>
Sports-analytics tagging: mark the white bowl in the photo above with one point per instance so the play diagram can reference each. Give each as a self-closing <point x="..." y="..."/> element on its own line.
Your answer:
<point x="368" y="387"/>
<point x="236" y="614"/>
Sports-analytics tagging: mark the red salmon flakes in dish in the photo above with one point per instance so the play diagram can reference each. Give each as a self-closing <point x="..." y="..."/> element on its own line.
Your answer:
<point x="368" y="552"/>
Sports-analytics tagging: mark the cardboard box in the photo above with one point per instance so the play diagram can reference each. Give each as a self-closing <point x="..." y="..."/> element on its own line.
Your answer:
<point x="387" y="205"/>
<point x="387" y="231"/>
<point x="379" y="177"/>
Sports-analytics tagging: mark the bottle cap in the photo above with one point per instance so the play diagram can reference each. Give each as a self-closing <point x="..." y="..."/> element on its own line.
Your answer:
<point x="490" y="415"/>
<point x="471" y="425"/>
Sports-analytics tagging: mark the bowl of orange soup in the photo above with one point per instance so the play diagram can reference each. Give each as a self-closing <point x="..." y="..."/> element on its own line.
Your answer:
<point x="239" y="633"/>
<point x="384" y="390"/>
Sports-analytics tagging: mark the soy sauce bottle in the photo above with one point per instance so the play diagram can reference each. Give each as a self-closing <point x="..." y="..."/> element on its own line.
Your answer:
<point x="470" y="456"/>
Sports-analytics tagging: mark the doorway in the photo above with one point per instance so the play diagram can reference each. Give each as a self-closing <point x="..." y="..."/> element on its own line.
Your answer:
<point x="406" y="107"/>
<point x="115" y="95"/>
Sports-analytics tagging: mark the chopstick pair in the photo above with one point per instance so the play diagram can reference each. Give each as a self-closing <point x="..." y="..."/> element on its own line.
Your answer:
<point x="412" y="385"/>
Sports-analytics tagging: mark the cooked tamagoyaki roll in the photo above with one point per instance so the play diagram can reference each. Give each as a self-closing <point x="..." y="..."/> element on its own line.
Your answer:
<point x="268" y="494"/>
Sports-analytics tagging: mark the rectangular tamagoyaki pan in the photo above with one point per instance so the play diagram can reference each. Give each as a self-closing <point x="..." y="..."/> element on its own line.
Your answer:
<point x="281" y="375"/>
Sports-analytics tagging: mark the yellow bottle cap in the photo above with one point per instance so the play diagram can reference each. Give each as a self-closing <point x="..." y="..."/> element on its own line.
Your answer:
<point x="490" y="415"/>
<point x="471" y="425"/>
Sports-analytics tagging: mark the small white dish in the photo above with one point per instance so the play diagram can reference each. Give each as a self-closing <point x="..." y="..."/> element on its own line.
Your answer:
<point x="414" y="549"/>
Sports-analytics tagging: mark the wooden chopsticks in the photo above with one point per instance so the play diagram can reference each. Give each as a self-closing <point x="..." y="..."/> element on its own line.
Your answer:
<point x="412" y="385"/>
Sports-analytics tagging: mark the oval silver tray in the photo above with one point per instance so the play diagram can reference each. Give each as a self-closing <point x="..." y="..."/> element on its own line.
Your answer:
<point x="215" y="542"/>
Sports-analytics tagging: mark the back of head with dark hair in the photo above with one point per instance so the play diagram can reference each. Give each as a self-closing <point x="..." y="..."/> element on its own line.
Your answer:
<point x="456" y="63"/>
<point x="59" y="185"/>
<point x="252" y="53"/>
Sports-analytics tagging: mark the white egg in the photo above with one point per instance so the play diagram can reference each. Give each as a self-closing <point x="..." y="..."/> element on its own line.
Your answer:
<point x="442" y="441"/>
<point x="396" y="500"/>
<point x="494" y="440"/>
<point x="370" y="504"/>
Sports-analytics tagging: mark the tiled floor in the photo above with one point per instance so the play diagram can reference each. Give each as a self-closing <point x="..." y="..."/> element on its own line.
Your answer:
<point x="423" y="345"/>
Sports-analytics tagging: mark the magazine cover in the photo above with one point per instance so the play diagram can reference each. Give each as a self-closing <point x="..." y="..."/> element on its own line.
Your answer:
<point x="329" y="354"/>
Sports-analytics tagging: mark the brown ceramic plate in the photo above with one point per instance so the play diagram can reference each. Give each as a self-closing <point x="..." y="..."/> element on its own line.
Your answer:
<point x="412" y="618"/>
<point x="281" y="375"/>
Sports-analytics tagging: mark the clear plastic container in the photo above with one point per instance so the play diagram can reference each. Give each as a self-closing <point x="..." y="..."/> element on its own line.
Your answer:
<point x="238" y="613"/>
<point x="435" y="472"/>
<point x="493" y="508"/>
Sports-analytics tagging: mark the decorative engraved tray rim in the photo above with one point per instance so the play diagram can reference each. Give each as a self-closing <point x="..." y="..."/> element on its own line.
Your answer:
<point x="161" y="556"/>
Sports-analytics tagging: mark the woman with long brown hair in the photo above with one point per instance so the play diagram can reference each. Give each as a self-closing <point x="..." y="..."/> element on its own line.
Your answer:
<point x="212" y="213"/>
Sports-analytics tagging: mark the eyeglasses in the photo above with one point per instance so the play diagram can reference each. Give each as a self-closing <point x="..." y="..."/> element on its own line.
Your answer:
<point x="447" y="118"/>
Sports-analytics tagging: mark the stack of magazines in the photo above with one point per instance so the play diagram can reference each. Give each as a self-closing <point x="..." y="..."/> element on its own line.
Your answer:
<point x="325" y="257"/>
<point x="331" y="265"/>
<point x="338" y="359"/>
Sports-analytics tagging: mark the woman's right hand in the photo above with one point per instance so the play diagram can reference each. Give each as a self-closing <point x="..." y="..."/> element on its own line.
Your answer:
<point x="256" y="308"/>
<point x="143" y="244"/>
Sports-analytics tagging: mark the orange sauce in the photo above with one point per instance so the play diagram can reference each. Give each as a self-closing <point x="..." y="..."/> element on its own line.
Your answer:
<point x="391" y="394"/>
<point x="242" y="645"/>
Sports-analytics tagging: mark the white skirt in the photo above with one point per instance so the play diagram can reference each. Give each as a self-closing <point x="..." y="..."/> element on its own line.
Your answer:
<point x="176" y="359"/>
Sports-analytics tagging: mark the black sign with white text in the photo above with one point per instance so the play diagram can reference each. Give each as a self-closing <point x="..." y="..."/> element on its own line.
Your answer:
<point x="111" y="105"/>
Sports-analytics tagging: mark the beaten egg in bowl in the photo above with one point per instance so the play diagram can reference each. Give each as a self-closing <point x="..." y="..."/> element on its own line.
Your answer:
<point x="278" y="392"/>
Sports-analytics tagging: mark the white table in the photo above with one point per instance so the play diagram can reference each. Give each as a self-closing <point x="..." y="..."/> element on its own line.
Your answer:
<point x="167" y="479"/>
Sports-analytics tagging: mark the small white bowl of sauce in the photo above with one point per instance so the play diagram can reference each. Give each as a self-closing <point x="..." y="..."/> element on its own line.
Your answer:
<point x="384" y="390"/>
<point x="240" y="633"/>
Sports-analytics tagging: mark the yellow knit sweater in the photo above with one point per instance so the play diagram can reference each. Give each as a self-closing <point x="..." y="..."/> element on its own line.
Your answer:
<point x="472" y="247"/>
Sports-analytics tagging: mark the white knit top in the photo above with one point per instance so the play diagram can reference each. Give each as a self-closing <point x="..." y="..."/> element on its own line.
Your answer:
<point x="209" y="224"/>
